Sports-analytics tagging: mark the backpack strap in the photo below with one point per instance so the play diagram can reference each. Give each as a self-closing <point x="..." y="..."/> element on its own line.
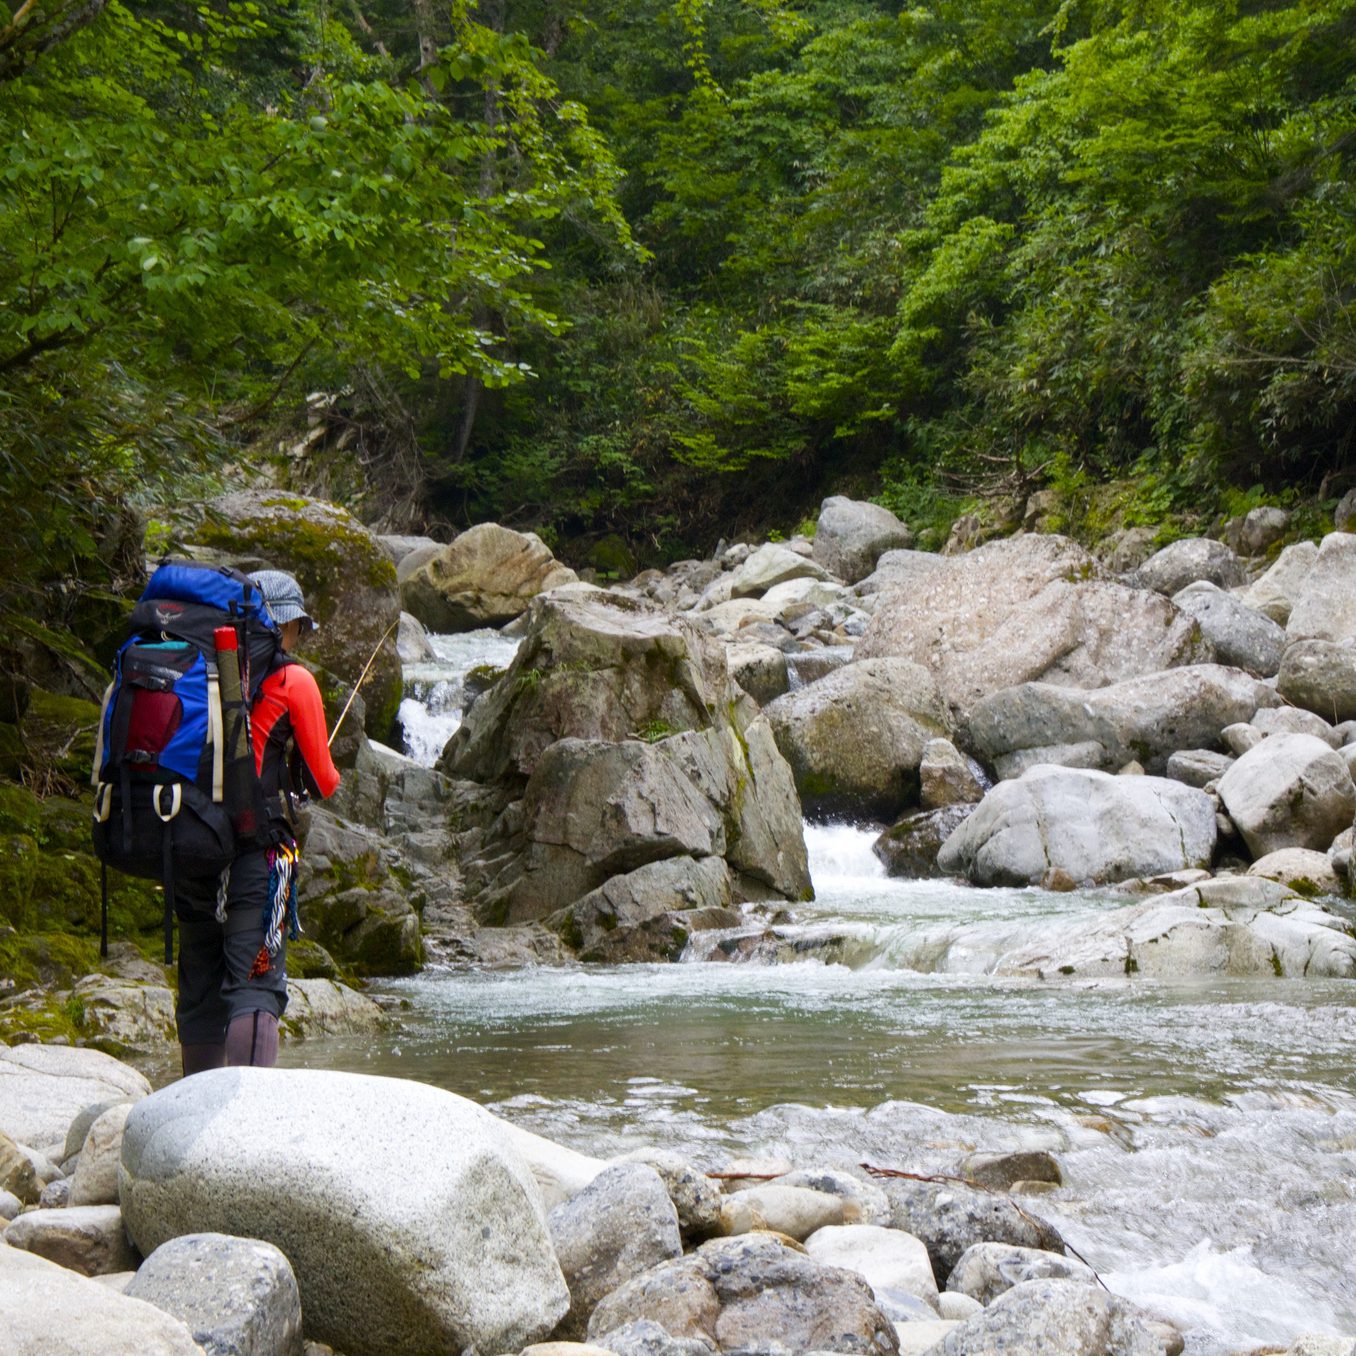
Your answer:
<point x="99" y="738"/>
<point x="167" y="839"/>
<point x="216" y="735"/>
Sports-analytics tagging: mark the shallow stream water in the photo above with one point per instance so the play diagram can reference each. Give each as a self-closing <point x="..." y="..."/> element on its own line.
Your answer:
<point x="1207" y="1130"/>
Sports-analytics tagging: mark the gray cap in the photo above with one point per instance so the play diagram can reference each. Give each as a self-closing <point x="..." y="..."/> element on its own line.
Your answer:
<point x="283" y="595"/>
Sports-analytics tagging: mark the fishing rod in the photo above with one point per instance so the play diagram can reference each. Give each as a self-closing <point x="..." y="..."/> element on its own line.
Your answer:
<point x="362" y="677"/>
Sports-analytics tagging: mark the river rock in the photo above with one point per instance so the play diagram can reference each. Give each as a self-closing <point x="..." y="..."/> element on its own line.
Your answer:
<point x="95" y="1181"/>
<point x="1025" y="609"/>
<point x="43" y="1088"/>
<point x="796" y="1212"/>
<point x="1320" y="676"/>
<point x="1291" y="720"/>
<point x="909" y="848"/>
<point x="237" y="1296"/>
<point x="387" y="1260"/>
<point x="1291" y="790"/>
<point x="89" y="1239"/>
<point x="486" y="577"/>
<point x="52" y="1311"/>
<point x="855" y="739"/>
<point x="1258" y="529"/>
<point x="694" y="1195"/>
<point x="124" y="1013"/>
<point x="1275" y="593"/>
<point x="1091" y="825"/>
<point x="893" y="1263"/>
<point x="644" y="1337"/>
<point x="1144" y="719"/>
<point x="988" y="1270"/>
<point x="850" y="537"/>
<point x="749" y="1293"/>
<point x="621" y="1224"/>
<point x="10" y="1206"/>
<point x="17" y="1174"/>
<point x="1054" y="1318"/>
<point x="1197" y="767"/>
<point x="1233" y="925"/>
<point x="898" y="570"/>
<point x="1001" y="1171"/>
<point x="324" y="1007"/>
<point x="769" y="566"/>
<point x="1326" y="606"/>
<point x="412" y="642"/>
<point x="346" y="575"/>
<point x="1241" y="636"/>
<point x="949" y="1218"/>
<point x="760" y="670"/>
<point x="947" y="777"/>
<point x="864" y="1201"/>
<point x="1189" y="561"/>
<point x="1306" y="872"/>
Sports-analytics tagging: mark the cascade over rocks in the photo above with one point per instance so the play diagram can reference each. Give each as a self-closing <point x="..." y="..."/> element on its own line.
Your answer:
<point x="1146" y="718"/>
<point x="617" y="741"/>
<point x="1027" y="609"/>
<point x="388" y="1261"/>
<point x="1090" y="825"/>
<point x="486" y="577"/>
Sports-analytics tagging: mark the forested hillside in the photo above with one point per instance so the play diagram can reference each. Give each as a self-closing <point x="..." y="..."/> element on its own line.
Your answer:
<point x="671" y="268"/>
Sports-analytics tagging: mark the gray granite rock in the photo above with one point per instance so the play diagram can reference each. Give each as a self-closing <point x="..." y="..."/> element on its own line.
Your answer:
<point x="89" y="1239"/>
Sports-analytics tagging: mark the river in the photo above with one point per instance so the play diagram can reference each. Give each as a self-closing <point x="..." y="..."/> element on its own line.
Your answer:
<point x="1207" y="1130"/>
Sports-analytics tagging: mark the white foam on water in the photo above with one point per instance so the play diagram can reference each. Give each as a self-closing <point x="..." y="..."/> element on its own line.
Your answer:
<point x="840" y="856"/>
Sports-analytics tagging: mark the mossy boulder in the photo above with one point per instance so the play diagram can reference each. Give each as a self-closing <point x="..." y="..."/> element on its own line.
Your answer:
<point x="345" y="573"/>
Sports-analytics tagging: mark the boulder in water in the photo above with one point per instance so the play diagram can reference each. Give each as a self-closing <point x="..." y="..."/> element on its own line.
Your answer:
<point x="988" y="1270"/>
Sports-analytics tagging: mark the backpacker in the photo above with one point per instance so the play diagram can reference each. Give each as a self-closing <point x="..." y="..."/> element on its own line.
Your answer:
<point x="176" y="791"/>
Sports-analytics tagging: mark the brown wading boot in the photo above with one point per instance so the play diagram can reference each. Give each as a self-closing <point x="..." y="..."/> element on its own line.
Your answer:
<point x="252" y="1039"/>
<point x="196" y="1058"/>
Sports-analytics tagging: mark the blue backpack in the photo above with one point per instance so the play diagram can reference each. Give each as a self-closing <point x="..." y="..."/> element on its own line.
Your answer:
<point x="176" y="793"/>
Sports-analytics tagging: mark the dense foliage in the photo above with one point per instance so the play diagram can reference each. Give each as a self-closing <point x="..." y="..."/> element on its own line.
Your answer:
<point x="673" y="267"/>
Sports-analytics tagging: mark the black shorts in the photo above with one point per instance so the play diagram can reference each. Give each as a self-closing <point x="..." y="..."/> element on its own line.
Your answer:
<point x="215" y="959"/>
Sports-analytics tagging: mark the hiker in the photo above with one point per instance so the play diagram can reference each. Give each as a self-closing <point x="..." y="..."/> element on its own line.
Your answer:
<point x="232" y="973"/>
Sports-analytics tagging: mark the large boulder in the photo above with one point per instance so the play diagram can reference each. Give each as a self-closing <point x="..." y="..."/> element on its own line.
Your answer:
<point x="1274" y="595"/>
<point x="43" y="1088"/>
<point x="899" y="569"/>
<point x="317" y="1163"/>
<point x="486" y="577"/>
<point x="1055" y="1318"/>
<point x="909" y="847"/>
<point x="770" y="565"/>
<point x="855" y="738"/>
<point x="347" y="577"/>
<point x="754" y="1293"/>
<point x="1320" y="676"/>
<point x="617" y="739"/>
<point x="52" y="1311"/>
<point x="1185" y="562"/>
<point x="1092" y="826"/>
<point x="1027" y="609"/>
<point x="850" y="537"/>
<point x="1242" y="637"/>
<point x="1325" y="608"/>
<point x="1145" y="719"/>
<point x="1291" y="790"/>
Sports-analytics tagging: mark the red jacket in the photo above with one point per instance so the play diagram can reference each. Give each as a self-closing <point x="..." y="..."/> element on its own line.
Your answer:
<point x="287" y="710"/>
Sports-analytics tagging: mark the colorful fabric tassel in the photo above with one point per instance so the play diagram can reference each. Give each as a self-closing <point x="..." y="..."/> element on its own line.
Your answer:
<point x="281" y="907"/>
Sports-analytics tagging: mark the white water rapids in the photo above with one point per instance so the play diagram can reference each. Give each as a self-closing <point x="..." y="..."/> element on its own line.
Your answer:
<point x="1207" y="1130"/>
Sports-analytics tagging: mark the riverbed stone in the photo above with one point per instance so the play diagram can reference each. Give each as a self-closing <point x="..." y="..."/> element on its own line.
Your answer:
<point x="17" y="1174"/>
<point x="1197" y="767"/>
<point x="695" y="1197"/>
<point x="851" y="536"/>
<point x="324" y="1007"/>
<point x="1242" y="637"/>
<point x="988" y="1270"/>
<point x="947" y="777"/>
<point x="748" y="1293"/>
<point x="1188" y="561"/>
<point x="1054" y="1318"/>
<point x="95" y="1180"/>
<point x="898" y="569"/>
<point x="1305" y="871"/>
<point x="455" y="1255"/>
<point x="951" y="1304"/>
<point x="1028" y="609"/>
<point x="89" y="1239"/>
<point x="855" y="738"/>
<point x="126" y="1014"/>
<point x="1326" y="606"/>
<point x="864" y="1201"/>
<point x="44" y="1087"/>
<point x="621" y="1224"/>
<point x="1089" y="824"/>
<point x="999" y="1171"/>
<point x="950" y="1217"/>
<point x="51" y="1310"/>
<point x="1320" y="676"/>
<point x="1291" y="720"/>
<point x="485" y="577"/>
<point x="1145" y="719"/>
<point x="909" y="847"/>
<point x="1291" y="790"/>
<point x="893" y="1263"/>
<point x="238" y="1296"/>
<point x="760" y="670"/>
<point x="796" y="1212"/>
<point x="772" y="564"/>
<point x="1275" y="593"/>
<point x="645" y="1337"/>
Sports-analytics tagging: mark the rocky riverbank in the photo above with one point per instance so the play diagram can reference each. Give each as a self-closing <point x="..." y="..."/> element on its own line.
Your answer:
<point x="280" y="1212"/>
